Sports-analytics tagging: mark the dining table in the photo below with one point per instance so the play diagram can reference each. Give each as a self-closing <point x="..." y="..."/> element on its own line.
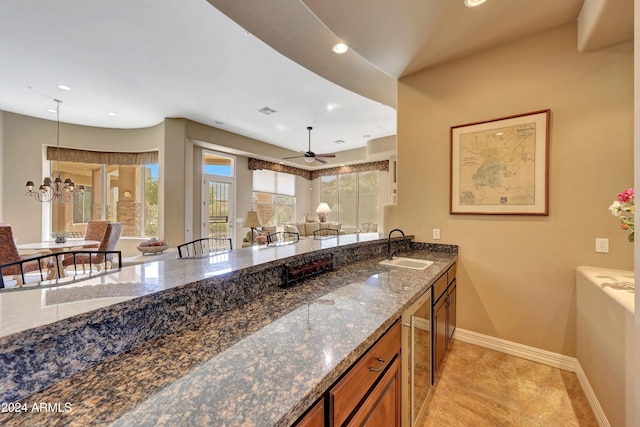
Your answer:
<point x="51" y="246"/>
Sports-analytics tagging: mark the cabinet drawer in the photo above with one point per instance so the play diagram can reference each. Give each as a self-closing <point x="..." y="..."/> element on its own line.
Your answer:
<point x="440" y="287"/>
<point x="349" y="391"/>
<point x="451" y="273"/>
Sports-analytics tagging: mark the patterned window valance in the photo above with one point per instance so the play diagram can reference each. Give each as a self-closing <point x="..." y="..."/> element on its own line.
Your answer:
<point x="102" y="157"/>
<point x="362" y="167"/>
<point x="255" y="164"/>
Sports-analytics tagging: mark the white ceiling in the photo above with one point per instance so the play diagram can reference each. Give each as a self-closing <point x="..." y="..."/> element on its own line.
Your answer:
<point x="150" y="59"/>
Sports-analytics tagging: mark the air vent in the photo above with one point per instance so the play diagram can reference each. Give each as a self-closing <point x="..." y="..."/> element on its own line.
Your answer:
<point x="339" y="141"/>
<point x="267" y="110"/>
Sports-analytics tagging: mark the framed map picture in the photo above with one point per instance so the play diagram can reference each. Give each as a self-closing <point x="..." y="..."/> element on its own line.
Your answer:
<point x="501" y="166"/>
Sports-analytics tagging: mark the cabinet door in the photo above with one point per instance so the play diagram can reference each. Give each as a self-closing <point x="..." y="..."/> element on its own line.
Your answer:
<point x="382" y="407"/>
<point x="439" y="332"/>
<point x="451" y="323"/>
<point x="347" y="394"/>
<point x="313" y="418"/>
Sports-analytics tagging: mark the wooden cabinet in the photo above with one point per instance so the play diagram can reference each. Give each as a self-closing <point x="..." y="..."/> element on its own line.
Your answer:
<point x="451" y="320"/>
<point x="382" y="406"/>
<point x="313" y="418"/>
<point x="370" y="391"/>
<point x="444" y="316"/>
<point x="440" y="337"/>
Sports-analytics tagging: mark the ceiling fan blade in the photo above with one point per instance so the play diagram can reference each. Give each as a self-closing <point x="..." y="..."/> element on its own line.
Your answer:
<point x="293" y="157"/>
<point x="320" y="160"/>
<point x="326" y="155"/>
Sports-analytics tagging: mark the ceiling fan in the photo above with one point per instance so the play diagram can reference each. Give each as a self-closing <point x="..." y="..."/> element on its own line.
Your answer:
<point x="310" y="156"/>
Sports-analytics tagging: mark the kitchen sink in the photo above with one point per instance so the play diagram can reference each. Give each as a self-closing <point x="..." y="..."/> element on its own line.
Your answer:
<point x="412" y="263"/>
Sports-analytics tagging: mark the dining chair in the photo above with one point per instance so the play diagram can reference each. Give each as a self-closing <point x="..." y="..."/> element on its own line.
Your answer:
<point x="9" y="254"/>
<point x="109" y="240"/>
<point x="96" y="230"/>
<point x="282" y="238"/>
<point x="204" y="247"/>
<point x="324" y="233"/>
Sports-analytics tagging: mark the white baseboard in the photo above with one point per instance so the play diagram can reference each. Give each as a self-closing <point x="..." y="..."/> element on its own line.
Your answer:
<point x="591" y="397"/>
<point x="544" y="357"/>
<point x="519" y="350"/>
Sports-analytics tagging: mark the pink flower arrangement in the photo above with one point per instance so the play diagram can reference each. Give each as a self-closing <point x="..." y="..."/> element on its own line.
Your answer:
<point x="626" y="195"/>
<point x="624" y="209"/>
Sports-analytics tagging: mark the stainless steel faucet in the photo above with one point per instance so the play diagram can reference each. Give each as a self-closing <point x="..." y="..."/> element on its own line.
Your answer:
<point x="389" y="252"/>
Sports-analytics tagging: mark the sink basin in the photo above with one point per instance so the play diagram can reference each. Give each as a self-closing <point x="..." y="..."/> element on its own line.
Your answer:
<point x="412" y="263"/>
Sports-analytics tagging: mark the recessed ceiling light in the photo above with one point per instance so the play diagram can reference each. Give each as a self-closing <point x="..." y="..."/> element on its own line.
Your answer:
<point x="112" y="114"/>
<point x="51" y="110"/>
<point x="63" y="87"/>
<point x="339" y="141"/>
<point x="331" y="107"/>
<point x="340" y="48"/>
<point x="473" y="3"/>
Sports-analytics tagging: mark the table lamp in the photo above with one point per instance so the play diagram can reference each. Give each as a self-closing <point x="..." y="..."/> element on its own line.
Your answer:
<point x="251" y="221"/>
<point x="322" y="211"/>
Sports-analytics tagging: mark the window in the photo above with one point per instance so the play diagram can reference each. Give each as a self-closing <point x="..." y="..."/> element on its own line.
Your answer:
<point x="274" y="197"/>
<point x="217" y="165"/>
<point x="353" y="198"/>
<point x="82" y="206"/>
<point x="126" y="193"/>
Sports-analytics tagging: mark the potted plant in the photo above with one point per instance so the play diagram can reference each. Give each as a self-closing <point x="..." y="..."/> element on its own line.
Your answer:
<point x="60" y="236"/>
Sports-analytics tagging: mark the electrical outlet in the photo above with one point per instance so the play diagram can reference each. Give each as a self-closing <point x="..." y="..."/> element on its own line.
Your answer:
<point x="602" y="245"/>
<point x="436" y="234"/>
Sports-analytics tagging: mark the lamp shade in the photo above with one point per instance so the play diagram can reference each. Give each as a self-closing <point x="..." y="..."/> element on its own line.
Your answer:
<point x="251" y="220"/>
<point x="323" y="208"/>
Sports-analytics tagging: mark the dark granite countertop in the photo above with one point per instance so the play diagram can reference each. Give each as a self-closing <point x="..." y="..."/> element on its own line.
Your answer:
<point x="261" y="362"/>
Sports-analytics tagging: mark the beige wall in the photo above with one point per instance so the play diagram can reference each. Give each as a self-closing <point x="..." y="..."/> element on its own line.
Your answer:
<point x="517" y="273"/>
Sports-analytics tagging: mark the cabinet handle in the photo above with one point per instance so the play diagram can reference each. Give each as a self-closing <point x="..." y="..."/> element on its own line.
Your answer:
<point x="382" y="362"/>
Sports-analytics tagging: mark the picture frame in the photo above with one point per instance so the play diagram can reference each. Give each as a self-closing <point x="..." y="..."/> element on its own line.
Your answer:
<point x="501" y="166"/>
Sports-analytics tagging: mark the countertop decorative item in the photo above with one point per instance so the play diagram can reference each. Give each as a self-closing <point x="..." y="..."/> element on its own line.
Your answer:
<point x="153" y="246"/>
<point x="624" y="209"/>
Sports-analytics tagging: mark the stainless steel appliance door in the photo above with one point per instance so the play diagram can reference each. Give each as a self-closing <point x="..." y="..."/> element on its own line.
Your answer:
<point x="416" y="358"/>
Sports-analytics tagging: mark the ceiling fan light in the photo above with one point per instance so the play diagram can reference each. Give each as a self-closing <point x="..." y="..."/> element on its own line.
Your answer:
<point x="308" y="159"/>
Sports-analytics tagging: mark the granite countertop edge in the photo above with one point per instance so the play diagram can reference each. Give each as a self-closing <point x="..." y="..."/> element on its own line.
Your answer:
<point x="294" y="407"/>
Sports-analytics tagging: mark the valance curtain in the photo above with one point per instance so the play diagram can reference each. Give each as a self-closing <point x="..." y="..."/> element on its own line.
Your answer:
<point x="101" y="157"/>
<point x="256" y="164"/>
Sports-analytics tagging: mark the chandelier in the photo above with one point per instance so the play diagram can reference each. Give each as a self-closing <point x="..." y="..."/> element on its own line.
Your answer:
<point x="56" y="190"/>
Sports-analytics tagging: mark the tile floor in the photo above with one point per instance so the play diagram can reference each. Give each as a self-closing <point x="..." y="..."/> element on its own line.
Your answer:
<point x="482" y="387"/>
